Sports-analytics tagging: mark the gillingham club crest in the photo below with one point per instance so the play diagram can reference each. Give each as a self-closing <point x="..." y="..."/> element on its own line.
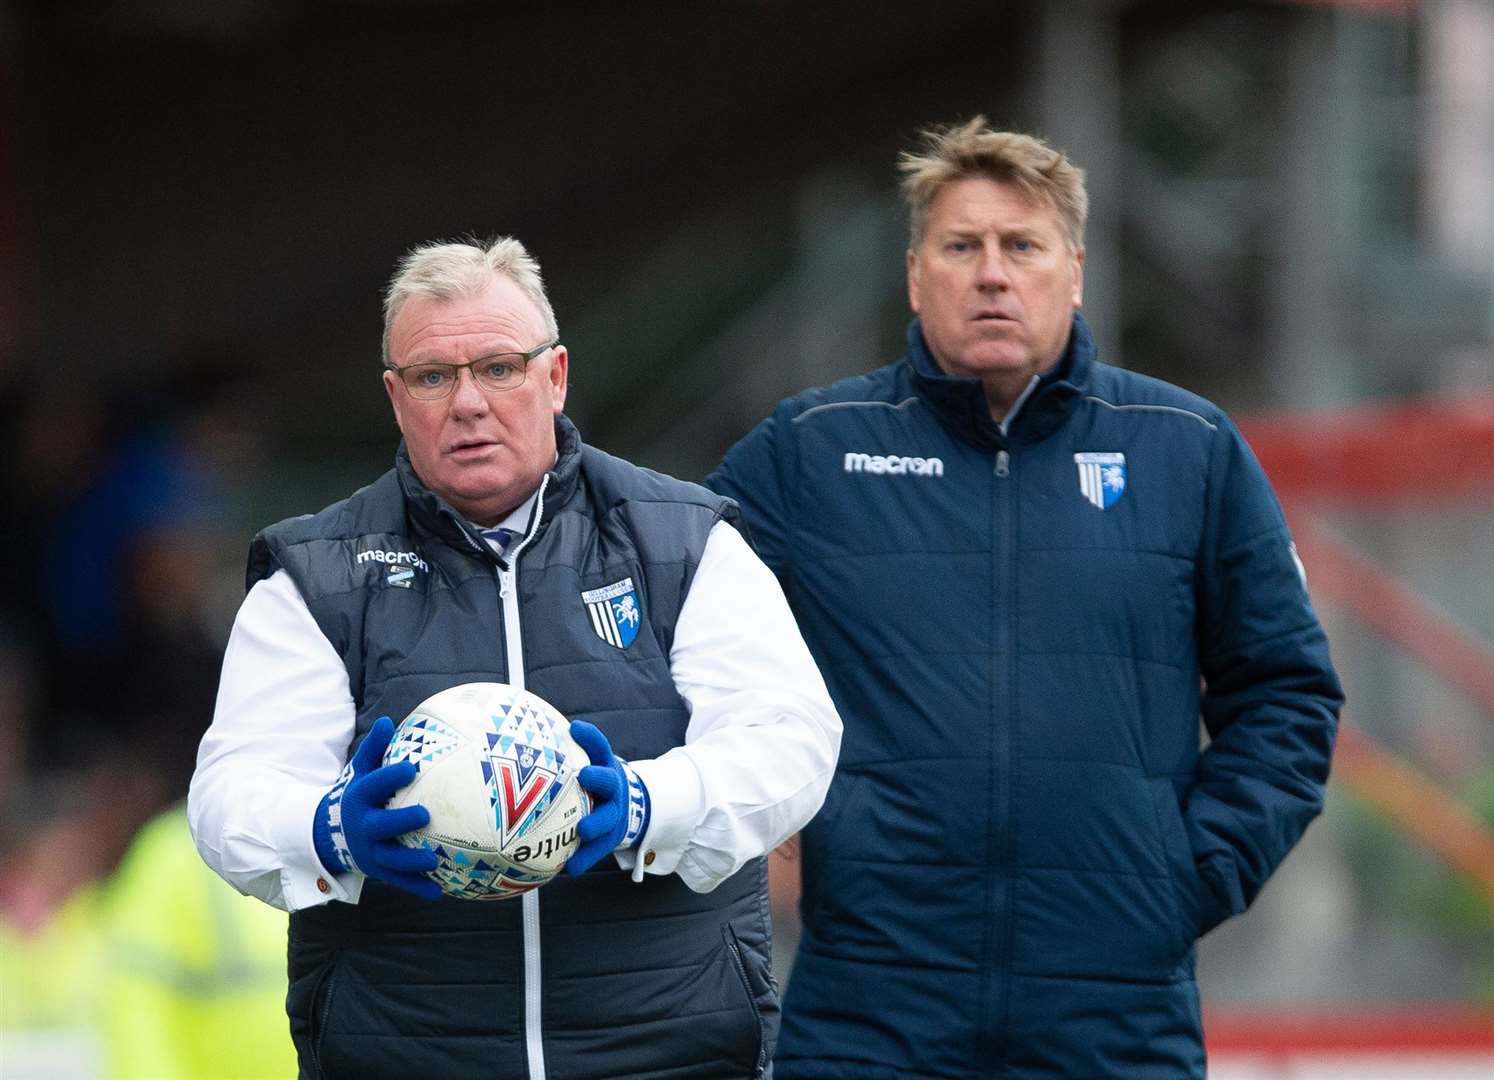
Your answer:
<point x="1102" y="478"/>
<point x="615" y="612"/>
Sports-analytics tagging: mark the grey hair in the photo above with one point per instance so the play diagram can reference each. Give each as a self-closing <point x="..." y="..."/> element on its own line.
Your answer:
<point x="447" y="270"/>
<point x="971" y="151"/>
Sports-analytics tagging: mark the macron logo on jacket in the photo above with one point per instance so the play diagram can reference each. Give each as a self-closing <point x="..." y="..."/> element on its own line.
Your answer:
<point x="394" y="558"/>
<point x="893" y="465"/>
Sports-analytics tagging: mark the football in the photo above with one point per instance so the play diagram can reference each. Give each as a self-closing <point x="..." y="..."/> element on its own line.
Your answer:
<point x="496" y="767"/>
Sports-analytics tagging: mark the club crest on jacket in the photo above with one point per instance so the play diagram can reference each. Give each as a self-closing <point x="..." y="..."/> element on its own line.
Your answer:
<point x="615" y="612"/>
<point x="1102" y="478"/>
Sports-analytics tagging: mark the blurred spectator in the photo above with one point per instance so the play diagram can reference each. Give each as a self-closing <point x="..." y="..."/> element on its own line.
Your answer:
<point x="18" y="691"/>
<point x="161" y="971"/>
<point x="108" y="668"/>
<point x="118" y="505"/>
<point x="194" y="974"/>
<point x="54" y="844"/>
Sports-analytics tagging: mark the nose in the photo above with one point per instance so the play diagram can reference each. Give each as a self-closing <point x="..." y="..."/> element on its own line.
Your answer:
<point x="990" y="272"/>
<point x="467" y="398"/>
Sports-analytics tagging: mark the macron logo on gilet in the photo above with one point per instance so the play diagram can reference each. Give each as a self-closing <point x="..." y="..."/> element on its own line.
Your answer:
<point x="893" y="465"/>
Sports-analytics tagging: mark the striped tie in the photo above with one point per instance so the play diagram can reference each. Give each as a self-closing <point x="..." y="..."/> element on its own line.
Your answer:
<point x="501" y="537"/>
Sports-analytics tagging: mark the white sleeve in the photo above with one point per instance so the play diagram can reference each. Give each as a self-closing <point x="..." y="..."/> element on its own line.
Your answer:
<point x="763" y="735"/>
<point x="280" y="735"/>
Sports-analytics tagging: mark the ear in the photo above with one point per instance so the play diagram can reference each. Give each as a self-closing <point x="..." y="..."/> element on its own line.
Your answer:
<point x="559" y="377"/>
<point x="913" y="280"/>
<point x="1079" y="278"/>
<point x="396" y="396"/>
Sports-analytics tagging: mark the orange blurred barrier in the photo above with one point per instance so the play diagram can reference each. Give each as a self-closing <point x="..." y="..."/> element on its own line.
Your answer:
<point x="1340" y="575"/>
<point x="1340" y="1028"/>
<point x="1395" y="454"/>
<point x="1407" y="451"/>
<point x="1395" y="787"/>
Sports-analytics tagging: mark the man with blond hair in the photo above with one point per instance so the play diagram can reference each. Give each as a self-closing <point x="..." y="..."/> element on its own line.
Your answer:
<point x="1026" y="575"/>
<point x="498" y="533"/>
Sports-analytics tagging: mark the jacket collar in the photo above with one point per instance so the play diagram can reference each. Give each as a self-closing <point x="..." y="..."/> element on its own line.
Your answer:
<point x="434" y="515"/>
<point x="960" y="403"/>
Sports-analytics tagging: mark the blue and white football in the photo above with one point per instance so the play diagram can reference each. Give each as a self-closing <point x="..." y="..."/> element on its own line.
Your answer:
<point x="496" y="767"/>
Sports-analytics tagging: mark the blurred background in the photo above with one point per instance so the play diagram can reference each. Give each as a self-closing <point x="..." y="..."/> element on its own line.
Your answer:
<point x="1292" y="214"/>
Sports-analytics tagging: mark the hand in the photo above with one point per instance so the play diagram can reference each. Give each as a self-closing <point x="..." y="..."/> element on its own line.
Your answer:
<point x="619" y="802"/>
<point x="353" y="812"/>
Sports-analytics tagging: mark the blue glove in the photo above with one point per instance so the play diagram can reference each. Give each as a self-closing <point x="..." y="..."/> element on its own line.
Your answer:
<point x="619" y="802"/>
<point x="354" y="833"/>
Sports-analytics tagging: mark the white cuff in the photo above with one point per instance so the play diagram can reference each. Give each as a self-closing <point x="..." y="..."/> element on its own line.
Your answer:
<point x="304" y="881"/>
<point x="676" y="803"/>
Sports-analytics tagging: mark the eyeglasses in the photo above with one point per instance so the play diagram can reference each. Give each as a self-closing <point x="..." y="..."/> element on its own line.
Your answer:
<point x="500" y="371"/>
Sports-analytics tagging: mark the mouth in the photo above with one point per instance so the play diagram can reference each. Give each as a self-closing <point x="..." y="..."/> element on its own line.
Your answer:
<point x="992" y="316"/>
<point x="471" y="448"/>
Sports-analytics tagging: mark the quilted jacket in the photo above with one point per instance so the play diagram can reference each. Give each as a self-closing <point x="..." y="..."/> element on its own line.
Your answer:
<point x="1022" y="625"/>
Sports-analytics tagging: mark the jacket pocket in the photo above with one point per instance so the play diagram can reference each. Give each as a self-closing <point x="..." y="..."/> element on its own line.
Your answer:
<point x="1186" y="882"/>
<point x="756" y="986"/>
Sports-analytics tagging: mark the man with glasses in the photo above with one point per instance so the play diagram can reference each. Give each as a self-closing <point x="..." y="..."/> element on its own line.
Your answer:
<point x="481" y="556"/>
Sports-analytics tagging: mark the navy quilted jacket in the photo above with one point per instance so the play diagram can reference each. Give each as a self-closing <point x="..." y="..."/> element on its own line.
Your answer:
<point x="1021" y="630"/>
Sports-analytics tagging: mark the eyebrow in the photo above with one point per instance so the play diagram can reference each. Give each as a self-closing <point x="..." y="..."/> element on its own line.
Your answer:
<point x="515" y="351"/>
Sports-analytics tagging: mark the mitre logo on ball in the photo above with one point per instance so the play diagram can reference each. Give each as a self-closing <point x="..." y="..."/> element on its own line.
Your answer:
<point x="496" y="768"/>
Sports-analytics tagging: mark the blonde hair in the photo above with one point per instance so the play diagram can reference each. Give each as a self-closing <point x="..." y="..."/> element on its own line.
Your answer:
<point x="447" y="270"/>
<point x="972" y="150"/>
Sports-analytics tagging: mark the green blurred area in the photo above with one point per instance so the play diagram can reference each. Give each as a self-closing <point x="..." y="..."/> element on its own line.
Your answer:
<point x="158" y="972"/>
<point x="1406" y="891"/>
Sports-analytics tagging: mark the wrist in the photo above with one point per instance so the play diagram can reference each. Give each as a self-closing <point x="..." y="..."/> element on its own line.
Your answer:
<point x="321" y="839"/>
<point x="637" y="812"/>
<point x="329" y="833"/>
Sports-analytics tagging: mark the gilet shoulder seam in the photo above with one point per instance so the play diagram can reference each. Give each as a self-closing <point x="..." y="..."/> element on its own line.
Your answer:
<point x="912" y="400"/>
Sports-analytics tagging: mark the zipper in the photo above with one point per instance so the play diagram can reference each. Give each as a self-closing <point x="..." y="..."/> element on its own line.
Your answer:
<point x="507" y="571"/>
<point x="736" y="955"/>
<point x="1002" y="839"/>
<point x="513" y="647"/>
<point x="533" y="1036"/>
<point x="1013" y="508"/>
<point x="328" y="980"/>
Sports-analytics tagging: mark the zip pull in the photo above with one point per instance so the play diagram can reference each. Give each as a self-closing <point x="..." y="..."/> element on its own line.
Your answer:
<point x="505" y="582"/>
<point x="1003" y="463"/>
